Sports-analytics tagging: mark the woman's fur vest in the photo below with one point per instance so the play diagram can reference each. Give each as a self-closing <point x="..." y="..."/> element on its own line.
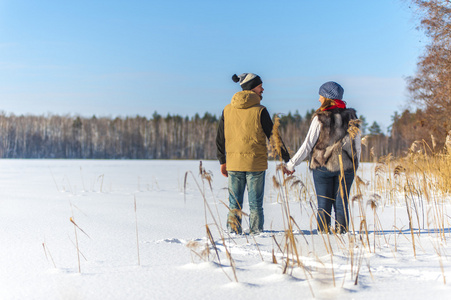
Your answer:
<point x="333" y="140"/>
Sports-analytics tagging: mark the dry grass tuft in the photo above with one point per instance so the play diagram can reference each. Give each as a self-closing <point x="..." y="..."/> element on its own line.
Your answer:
<point x="354" y="128"/>
<point x="374" y="200"/>
<point x="448" y="143"/>
<point x="234" y="219"/>
<point x="359" y="182"/>
<point x="275" y="142"/>
<point x="364" y="141"/>
<point x="205" y="175"/>
<point x="399" y="169"/>
<point x="201" y="250"/>
<point x="357" y="198"/>
<point x="275" y="182"/>
<point x="415" y="147"/>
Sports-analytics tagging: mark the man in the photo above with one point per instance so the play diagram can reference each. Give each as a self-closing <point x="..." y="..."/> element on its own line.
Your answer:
<point x="241" y="150"/>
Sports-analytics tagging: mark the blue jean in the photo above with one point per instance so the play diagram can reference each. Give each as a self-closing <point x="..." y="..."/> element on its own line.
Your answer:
<point x="327" y="185"/>
<point x="255" y="182"/>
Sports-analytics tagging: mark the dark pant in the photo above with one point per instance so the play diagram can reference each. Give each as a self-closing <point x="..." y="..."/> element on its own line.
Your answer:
<point x="329" y="194"/>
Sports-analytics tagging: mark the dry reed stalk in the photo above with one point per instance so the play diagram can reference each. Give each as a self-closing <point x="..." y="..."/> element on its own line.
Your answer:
<point x="331" y="253"/>
<point x="351" y="246"/>
<point x="76" y="242"/>
<point x="356" y="198"/>
<point x="275" y="140"/>
<point x="290" y="241"/>
<point x="439" y="254"/>
<point x="75" y="247"/>
<point x="212" y="241"/>
<point x="378" y="221"/>
<point x="411" y="188"/>
<point x="229" y="256"/>
<point x="206" y="176"/>
<point x="409" y="215"/>
<point x="101" y="177"/>
<point x="206" y="205"/>
<point x="333" y="270"/>
<point x="258" y="247"/>
<point x="53" y="177"/>
<point x="386" y="180"/>
<point x="354" y="131"/>
<point x="276" y="143"/>
<point x="289" y="251"/>
<point x="448" y="143"/>
<point x="136" y="227"/>
<point x="273" y="240"/>
<point x="363" y="226"/>
<point x="315" y="217"/>
<point x="277" y="244"/>
<point x="373" y="204"/>
<point x="51" y="257"/>
<point x="284" y="199"/>
<point x="363" y="223"/>
<point x="360" y="259"/>
<point x="274" y="259"/>
<point x="342" y="192"/>
<point x="70" y="186"/>
<point x="82" y="180"/>
<point x="439" y="219"/>
<point x="397" y="172"/>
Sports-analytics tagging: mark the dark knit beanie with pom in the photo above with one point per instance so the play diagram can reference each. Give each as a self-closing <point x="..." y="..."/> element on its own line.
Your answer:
<point x="248" y="81"/>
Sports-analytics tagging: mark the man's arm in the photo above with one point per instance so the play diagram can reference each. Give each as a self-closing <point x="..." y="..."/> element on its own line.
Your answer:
<point x="267" y="125"/>
<point x="220" y="146"/>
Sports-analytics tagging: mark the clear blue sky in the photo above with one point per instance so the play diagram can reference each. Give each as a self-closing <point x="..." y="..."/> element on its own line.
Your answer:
<point x="123" y="58"/>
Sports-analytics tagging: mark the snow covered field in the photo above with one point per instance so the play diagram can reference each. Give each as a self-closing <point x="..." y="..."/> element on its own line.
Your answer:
<point x="38" y="254"/>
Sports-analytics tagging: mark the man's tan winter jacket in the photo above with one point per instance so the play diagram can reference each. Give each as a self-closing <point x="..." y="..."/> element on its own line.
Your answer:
<point x="245" y="140"/>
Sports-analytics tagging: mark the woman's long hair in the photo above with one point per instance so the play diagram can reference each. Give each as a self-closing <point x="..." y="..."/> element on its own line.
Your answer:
<point x="326" y="103"/>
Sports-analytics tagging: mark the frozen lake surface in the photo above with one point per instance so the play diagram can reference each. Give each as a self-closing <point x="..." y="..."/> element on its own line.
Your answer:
<point x="39" y="260"/>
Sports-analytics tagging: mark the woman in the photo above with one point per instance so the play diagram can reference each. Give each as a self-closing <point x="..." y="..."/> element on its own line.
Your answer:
<point x="331" y="150"/>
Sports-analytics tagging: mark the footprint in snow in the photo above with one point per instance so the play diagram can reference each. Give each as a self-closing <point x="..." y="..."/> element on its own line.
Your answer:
<point x="174" y="241"/>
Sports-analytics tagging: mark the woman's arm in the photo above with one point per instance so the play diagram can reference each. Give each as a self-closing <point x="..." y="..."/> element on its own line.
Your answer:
<point x="358" y="145"/>
<point x="307" y="146"/>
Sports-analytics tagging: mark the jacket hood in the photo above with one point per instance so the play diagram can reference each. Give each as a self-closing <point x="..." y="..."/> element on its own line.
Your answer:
<point x="245" y="99"/>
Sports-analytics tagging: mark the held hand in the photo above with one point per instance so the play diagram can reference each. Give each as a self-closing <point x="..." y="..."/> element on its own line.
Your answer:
<point x="286" y="171"/>
<point x="224" y="170"/>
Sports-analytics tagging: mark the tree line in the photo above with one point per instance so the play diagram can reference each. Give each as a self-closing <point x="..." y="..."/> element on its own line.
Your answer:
<point x="52" y="136"/>
<point x="159" y="137"/>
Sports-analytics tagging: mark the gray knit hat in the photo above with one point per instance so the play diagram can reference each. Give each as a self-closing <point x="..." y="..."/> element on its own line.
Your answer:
<point x="331" y="90"/>
<point x="248" y="81"/>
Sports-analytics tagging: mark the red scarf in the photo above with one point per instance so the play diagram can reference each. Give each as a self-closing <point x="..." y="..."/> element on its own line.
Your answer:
<point x="338" y="104"/>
